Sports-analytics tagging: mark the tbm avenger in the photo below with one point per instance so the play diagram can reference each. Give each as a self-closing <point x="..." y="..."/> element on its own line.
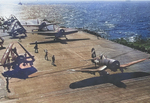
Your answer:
<point x="106" y="63"/>
<point x="15" y="57"/>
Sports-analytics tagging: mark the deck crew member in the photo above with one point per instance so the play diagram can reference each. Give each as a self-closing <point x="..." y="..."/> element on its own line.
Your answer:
<point x="36" y="47"/>
<point x="53" y="60"/>
<point x="46" y="54"/>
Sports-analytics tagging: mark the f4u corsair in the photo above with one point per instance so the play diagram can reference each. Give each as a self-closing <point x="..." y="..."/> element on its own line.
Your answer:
<point x="51" y="29"/>
<point x="60" y="32"/>
<point x="7" y="23"/>
<point x="12" y="25"/>
<point x="106" y="63"/>
<point x="44" y="26"/>
<point x="16" y="28"/>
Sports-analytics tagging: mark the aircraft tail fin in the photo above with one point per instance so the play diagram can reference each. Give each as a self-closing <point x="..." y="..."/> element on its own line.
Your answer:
<point x="93" y="53"/>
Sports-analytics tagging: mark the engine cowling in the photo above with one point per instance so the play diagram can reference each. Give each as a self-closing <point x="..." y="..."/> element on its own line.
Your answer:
<point x="112" y="64"/>
<point x="60" y="33"/>
<point x="42" y="25"/>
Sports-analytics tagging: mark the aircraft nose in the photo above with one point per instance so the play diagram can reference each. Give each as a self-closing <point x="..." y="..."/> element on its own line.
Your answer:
<point x="115" y="65"/>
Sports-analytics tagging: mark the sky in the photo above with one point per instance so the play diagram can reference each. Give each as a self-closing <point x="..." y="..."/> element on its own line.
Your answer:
<point x="28" y="1"/>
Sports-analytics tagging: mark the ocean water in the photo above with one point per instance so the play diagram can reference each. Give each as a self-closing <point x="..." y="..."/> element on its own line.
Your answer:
<point x="112" y="20"/>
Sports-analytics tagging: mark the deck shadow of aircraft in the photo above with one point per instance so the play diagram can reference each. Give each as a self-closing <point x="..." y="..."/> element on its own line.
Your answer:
<point x="17" y="37"/>
<point x="60" y="40"/>
<point x="20" y="73"/>
<point x="114" y="79"/>
<point x="2" y="48"/>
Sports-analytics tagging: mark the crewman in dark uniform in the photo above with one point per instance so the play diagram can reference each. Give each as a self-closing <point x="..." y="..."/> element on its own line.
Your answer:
<point x="36" y="47"/>
<point x="15" y="51"/>
<point x="53" y="60"/>
<point x="46" y="54"/>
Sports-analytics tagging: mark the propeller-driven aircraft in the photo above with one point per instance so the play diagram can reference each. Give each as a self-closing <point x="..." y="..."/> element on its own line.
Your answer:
<point x="15" y="57"/>
<point x="10" y="20"/>
<point x="2" y="41"/>
<point x="44" y="26"/>
<point x="61" y="32"/>
<point x="106" y="63"/>
<point x="51" y="29"/>
<point x="12" y="25"/>
<point x="16" y="28"/>
<point x="5" y="24"/>
<point x="2" y="20"/>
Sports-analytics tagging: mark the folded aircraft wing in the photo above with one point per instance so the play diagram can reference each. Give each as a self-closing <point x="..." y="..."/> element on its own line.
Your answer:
<point x="27" y="52"/>
<point x="6" y="54"/>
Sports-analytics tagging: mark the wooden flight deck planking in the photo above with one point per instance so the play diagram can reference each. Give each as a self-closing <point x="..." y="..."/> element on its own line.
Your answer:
<point x="51" y="83"/>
